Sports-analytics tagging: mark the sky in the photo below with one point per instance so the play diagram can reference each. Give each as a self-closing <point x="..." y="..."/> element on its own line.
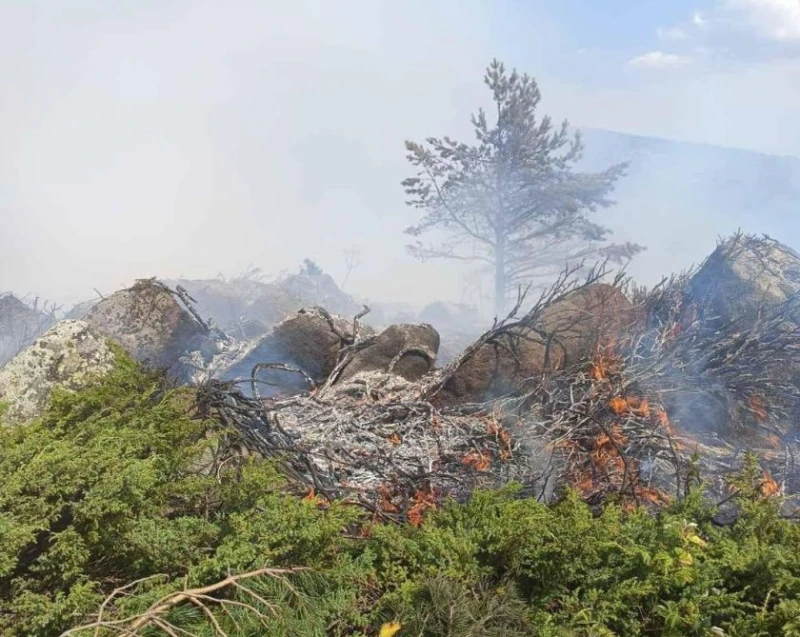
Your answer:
<point x="191" y="138"/>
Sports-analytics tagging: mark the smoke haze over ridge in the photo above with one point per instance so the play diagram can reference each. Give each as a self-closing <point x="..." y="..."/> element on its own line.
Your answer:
<point x="189" y="138"/>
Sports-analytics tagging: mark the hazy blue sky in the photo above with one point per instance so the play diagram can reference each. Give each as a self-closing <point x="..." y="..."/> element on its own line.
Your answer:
<point x="143" y="137"/>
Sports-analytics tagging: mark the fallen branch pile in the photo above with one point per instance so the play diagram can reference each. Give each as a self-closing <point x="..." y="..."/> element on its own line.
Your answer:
<point x="373" y="441"/>
<point x="601" y="426"/>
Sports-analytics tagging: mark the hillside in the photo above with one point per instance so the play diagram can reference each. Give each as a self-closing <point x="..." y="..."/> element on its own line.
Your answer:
<point x="678" y="197"/>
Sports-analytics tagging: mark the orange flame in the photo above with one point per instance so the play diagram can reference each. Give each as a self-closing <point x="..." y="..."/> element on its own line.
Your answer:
<point x="503" y="438"/>
<point x="618" y="405"/>
<point x="631" y="405"/>
<point x="423" y="501"/>
<point x="477" y="460"/>
<point x="318" y="500"/>
<point x="386" y="503"/>
<point x="769" y="487"/>
<point x="606" y="362"/>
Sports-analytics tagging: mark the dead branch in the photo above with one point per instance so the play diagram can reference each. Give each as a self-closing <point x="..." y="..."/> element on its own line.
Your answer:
<point x="204" y="598"/>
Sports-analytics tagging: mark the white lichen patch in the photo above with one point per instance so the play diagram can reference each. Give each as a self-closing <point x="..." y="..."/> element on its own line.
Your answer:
<point x="69" y="356"/>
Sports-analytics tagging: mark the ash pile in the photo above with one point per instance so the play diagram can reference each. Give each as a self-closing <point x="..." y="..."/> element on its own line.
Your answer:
<point x="624" y="394"/>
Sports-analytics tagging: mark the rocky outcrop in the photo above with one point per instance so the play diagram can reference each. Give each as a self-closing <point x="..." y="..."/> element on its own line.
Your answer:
<point x="744" y="275"/>
<point x="310" y="340"/>
<point x="68" y="356"/>
<point x="319" y="289"/>
<point x="743" y="304"/>
<point x="242" y="308"/>
<point x="151" y="325"/>
<point x="566" y="334"/>
<point x="405" y="350"/>
<point x="273" y="305"/>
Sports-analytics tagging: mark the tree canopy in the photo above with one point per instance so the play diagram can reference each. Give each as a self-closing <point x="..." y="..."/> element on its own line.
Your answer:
<point x="512" y="201"/>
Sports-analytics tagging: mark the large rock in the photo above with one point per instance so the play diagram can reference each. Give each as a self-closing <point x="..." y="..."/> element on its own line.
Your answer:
<point x="310" y="339"/>
<point x="382" y="315"/>
<point x="743" y="275"/>
<point x="151" y="325"/>
<point x="319" y="289"/>
<point x="273" y="305"/>
<point x="69" y="356"/>
<point x="20" y="325"/>
<point x="243" y="308"/>
<point x="406" y="350"/>
<point x="566" y="334"/>
<point x="746" y="396"/>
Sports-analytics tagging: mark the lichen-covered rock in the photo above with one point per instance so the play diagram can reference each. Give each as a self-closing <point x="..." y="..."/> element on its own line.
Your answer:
<point x="566" y="334"/>
<point x="310" y="339"/>
<point x="69" y="356"/>
<point x="150" y="324"/>
<point x="743" y="275"/>
<point x="405" y="350"/>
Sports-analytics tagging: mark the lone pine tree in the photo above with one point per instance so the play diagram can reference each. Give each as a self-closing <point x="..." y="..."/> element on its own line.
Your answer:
<point x="512" y="201"/>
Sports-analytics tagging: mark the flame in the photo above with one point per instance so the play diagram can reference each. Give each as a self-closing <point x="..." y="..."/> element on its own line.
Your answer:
<point x="769" y="487"/>
<point x="318" y="500"/>
<point x="584" y="483"/>
<point x="606" y="362"/>
<point x="597" y="371"/>
<point x="651" y="495"/>
<point x="618" y="405"/>
<point x="386" y="503"/>
<point x="631" y="405"/>
<point x="503" y="438"/>
<point x="423" y="501"/>
<point x="604" y="454"/>
<point x="477" y="460"/>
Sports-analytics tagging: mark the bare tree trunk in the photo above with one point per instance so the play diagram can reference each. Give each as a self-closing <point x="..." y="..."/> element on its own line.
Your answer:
<point x="499" y="280"/>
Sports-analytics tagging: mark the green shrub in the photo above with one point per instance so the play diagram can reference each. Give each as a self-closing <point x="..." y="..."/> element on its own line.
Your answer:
<point x="108" y="488"/>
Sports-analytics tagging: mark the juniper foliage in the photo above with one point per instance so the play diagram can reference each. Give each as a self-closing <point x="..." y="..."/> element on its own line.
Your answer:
<point x="112" y="486"/>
